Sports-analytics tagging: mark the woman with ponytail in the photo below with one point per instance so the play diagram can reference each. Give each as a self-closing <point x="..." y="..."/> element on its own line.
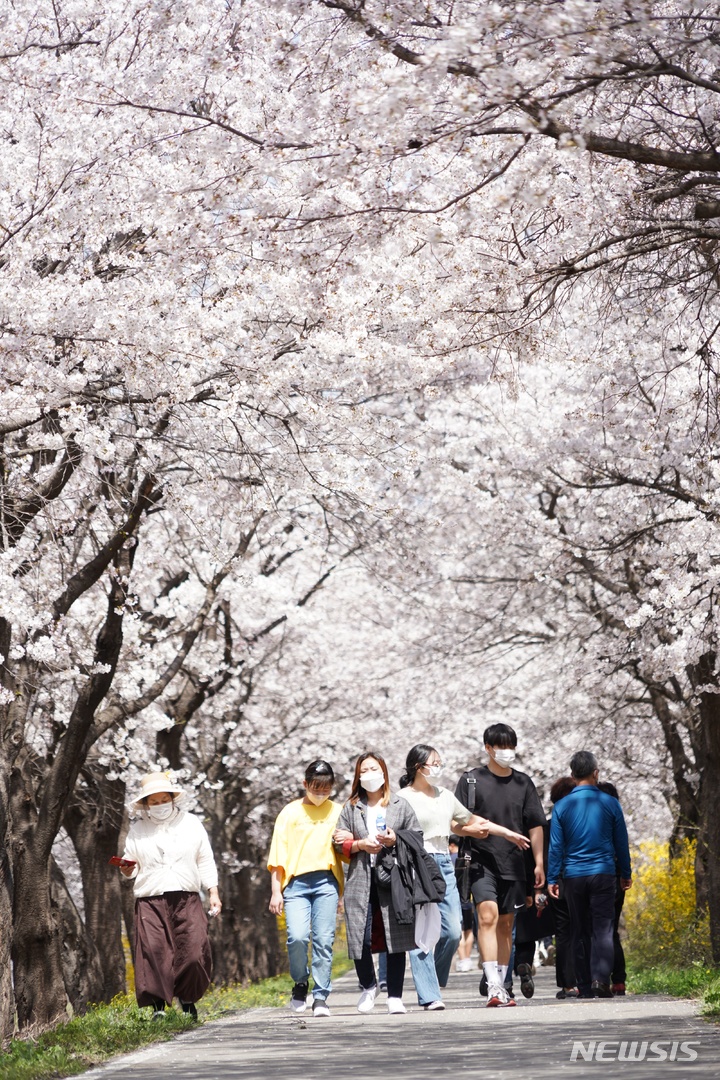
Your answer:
<point x="439" y="813"/>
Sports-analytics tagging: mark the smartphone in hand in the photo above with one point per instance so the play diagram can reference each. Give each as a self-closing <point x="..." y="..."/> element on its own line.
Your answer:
<point x="116" y="860"/>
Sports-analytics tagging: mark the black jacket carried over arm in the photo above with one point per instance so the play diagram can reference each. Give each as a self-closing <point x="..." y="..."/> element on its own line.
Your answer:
<point x="415" y="877"/>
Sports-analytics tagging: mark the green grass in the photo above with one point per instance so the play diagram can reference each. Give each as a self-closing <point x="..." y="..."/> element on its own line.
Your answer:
<point x="107" y="1030"/>
<point x="694" y="981"/>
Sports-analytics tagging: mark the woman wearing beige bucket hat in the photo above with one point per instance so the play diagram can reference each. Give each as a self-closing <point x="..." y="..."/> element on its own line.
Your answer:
<point x="168" y="854"/>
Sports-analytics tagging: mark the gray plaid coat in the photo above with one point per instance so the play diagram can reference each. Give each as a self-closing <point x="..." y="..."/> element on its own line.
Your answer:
<point x="400" y="937"/>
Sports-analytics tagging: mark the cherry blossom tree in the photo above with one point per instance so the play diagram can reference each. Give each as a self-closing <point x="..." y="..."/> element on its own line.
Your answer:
<point x="358" y="362"/>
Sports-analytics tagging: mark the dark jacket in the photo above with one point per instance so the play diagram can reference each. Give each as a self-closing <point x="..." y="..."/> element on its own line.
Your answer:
<point x="415" y="877"/>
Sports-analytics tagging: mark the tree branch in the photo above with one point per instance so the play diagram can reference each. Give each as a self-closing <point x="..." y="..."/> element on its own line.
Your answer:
<point x="118" y="709"/>
<point x="81" y="581"/>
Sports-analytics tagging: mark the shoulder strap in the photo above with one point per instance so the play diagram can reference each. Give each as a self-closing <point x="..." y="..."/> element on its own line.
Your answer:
<point x="465" y="845"/>
<point x="472" y="793"/>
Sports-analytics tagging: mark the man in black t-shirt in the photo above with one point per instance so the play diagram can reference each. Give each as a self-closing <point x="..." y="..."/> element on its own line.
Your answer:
<point x="498" y="871"/>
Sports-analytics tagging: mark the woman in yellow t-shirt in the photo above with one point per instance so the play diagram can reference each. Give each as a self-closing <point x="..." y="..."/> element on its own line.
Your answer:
<point x="307" y="880"/>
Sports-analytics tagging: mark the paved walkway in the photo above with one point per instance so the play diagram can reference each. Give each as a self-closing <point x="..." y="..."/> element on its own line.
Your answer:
<point x="531" y="1042"/>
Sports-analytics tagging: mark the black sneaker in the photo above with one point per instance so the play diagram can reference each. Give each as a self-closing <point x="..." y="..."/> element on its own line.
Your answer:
<point x="298" y="999"/>
<point x="483" y="985"/>
<point x="527" y="986"/>
<point x="189" y="1008"/>
<point x="601" y="989"/>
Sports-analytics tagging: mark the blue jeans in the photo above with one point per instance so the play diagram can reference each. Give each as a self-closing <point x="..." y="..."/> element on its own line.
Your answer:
<point x="430" y="971"/>
<point x="311" y="902"/>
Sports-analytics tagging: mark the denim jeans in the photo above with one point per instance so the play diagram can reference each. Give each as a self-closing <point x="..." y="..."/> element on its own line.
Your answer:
<point x="432" y="970"/>
<point x="311" y="902"/>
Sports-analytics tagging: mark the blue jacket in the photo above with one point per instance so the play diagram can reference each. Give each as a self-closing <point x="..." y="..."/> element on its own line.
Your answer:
<point x="588" y="835"/>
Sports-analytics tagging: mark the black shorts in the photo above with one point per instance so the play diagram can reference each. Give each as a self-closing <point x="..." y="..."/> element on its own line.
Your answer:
<point x="508" y="895"/>
<point x="468" y="917"/>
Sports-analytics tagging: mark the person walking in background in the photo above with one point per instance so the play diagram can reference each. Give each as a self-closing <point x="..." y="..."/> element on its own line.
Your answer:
<point x="307" y="881"/>
<point x="619" y="971"/>
<point x="368" y="823"/>
<point x="564" y="944"/>
<point x="498" y="874"/>
<point x="533" y="924"/>
<point x="546" y="917"/>
<point x="168" y="854"/>
<point x="588" y="850"/>
<point x="468" y="919"/>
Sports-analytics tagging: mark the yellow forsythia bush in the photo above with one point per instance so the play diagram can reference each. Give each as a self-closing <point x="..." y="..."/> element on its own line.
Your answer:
<point x="661" y="921"/>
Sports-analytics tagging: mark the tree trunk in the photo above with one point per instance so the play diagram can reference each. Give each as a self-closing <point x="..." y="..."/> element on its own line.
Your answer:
<point x="7" y="1000"/>
<point x="81" y="963"/>
<point x="684" y="803"/>
<point x="39" y="984"/>
<point x="245" y="938"/>
<point x="94" y="820"/>
<point x="40" y="996"/>
<point x="708" y="854"/>
<point x="709" y="833"/>
<point x="11" y="738"/>
<point x="127" y="903"/>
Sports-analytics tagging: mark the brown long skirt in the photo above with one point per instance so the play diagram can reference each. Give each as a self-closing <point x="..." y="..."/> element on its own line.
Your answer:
<point x="172" y="948"/>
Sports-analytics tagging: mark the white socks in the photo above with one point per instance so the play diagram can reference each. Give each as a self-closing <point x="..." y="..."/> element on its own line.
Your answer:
<point x="502" y="971"/>
<point x="492" y="974"/>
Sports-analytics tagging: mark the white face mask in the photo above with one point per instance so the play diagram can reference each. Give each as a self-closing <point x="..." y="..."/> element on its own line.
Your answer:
<point x="433" y="771"/>
<point x="318" y="800"/>
<point x="372" y="781"/>
<point x="161" y="812"/>
<point x="504" y="758"/>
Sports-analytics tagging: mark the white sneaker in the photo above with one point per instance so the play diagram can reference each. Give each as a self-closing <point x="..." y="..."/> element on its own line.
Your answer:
<point x="320" y="1007"/>
<point x="464" y="965"/>
<point x="495" y="996"/>
<point x="435" y="1006"/>
<point x="395" y="1005"/>
<point x="367" y="1000"/>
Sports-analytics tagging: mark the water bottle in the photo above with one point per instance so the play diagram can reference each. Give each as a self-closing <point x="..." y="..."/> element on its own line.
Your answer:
<point x="380" y="823"/>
